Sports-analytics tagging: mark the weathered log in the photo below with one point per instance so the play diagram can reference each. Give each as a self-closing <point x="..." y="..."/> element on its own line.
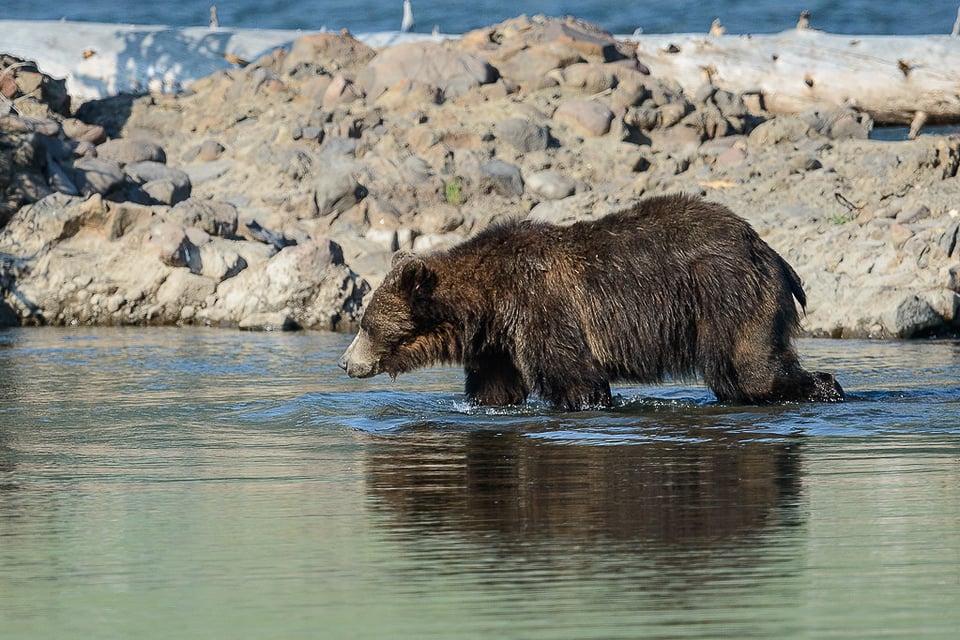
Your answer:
<point x="891" y="78"/>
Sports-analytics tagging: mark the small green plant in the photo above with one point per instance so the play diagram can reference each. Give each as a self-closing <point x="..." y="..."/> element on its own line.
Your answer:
<point x="843" y="218"/>
<point x="453" y="191"/>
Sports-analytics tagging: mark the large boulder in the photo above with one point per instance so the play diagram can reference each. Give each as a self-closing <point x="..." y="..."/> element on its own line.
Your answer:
<point x="306" y="285"/>
<point x="452" y="71"/>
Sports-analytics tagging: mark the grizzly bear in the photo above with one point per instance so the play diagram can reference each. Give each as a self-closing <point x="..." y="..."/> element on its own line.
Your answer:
<point x="674" y="287"/>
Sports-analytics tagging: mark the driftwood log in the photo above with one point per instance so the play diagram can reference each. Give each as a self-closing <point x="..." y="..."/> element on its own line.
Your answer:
<point x="894" y="79"/>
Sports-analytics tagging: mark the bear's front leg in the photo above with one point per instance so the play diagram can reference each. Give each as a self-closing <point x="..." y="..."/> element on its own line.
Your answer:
<point x="576" y="387"/>
<point x="575" y="396"/>
<point x="494" y="381"/>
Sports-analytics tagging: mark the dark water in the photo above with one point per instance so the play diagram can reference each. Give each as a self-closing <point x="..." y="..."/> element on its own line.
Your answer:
<point x="900" y="17"/>
<point x="212" y="484"/>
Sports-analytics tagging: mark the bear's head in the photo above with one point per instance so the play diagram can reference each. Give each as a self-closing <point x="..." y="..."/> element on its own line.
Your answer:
<point x="403" y="327"/>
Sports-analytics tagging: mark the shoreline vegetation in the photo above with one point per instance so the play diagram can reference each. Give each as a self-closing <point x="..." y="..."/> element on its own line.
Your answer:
<point x="266" y="187"/>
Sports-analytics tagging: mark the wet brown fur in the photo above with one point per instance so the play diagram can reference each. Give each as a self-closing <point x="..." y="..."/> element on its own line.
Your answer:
<point x="672" y="287"/>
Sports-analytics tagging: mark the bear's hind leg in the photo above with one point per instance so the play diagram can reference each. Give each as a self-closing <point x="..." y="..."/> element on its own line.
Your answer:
<point x="756" y="377"/>
<point x="494" y="381"/>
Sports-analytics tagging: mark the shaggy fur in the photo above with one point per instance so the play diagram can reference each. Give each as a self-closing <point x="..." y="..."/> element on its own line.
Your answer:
<point x="673" y="287"/>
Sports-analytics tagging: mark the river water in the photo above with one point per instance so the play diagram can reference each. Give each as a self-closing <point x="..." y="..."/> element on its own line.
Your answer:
<point x="900" y="17"/>
<point x="165" y="483"/>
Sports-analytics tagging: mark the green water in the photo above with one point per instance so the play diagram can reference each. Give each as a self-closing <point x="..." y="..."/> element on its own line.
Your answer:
<point x="213" y="484"/>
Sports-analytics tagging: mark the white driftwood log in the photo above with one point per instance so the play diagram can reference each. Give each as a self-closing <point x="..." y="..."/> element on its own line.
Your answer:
<point x="895" y="79"/>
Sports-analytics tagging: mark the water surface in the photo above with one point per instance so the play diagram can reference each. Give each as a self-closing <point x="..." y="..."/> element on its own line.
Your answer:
<point x="159" y="483"/>
<point x="900" y="17"/>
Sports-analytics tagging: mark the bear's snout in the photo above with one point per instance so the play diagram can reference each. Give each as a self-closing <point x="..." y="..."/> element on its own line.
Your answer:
<point x="358" y="360"/>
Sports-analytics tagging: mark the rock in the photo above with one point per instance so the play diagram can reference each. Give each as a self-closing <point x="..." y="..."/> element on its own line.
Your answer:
<point x="337" y="191"/>
<point x="913" y="317"/>
<point x="34" y="93"/>
<point x="671" y="113"/>
<point x="220" y="260"/>
<point x="501" y="177"/>
<point x="341" y="90"/>
<point x="531" y="67"/>
<point x="78" y="130"/>
<point x="587" y="77"/>
<point x="306" y="282"/>
<point x="59" y="179"/>
<point x="208" y="171"/>
<point x="387" y="238"/>
<point x="124" y="151"/>
<point x="325" y="52"/>
<point x="913" y="214"/>
<point x="947" y="241"/>
<point x="438" y="219"/>
<point x="57" y="218"/>
<point x="550" y="185"/>
<point x="209" y="151"/>
<point x="780" y="129"/>
<point x="174" y="248"/>
<point x="97" y="175"/>
<point x="382" y="214"/>
<point x="587" y="38"/>
<point x="182" y="288"/>
<point x="588" y="117"/>
<point x="899" y="234"/>
<point x="268" y="321"/>
<point x="839" y="124"/>
<point x="162" y="183"/>
<point x="451" y="71"/>
<point x="216" y="218"/>
<point x="526" y="136"/>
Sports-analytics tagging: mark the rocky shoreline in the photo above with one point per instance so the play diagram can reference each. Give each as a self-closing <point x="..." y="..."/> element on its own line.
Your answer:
<point x="273" y="195"/>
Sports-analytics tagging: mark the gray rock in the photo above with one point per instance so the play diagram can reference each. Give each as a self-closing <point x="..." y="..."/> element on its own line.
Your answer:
<point x="341" y="90"/>
<point x="947" y="241"/>
<point x="162" y="183"/>
<point x="173" y="246"/>
<point x="839" y="124"/>
<point x="325" y="52"/>
<point x="551" y="185"/>
<point x="387" y="238"/>
<point x="268" y="321"/>
<point x="337" y="191"/>
<point x="78" y="130"/>
<point x="209" y="151"/>
<point x="126" y="151"/>
<point x="913" y="214"/>
<point x="589" y="117"/>
<point x="214" y="217"/>
<point x="208" y="171"/>
<point x="183" y="288"/>
<point x="913" y="317"/>
<point x="339" y="147"/>
<point x="780" y="129"/>
<point x="454" y="72"/>
<point x="29" y="186"/>
<point x="501" y="177"/>
<point x="148" y="171"/>
<point x="308" y="282"/>
<point x="59" y="179"/>
<point x="220" y="260"/>
<point x="97" y="175"/>
<point x="588" y="77"/>
<point x="167" y="191"/>
<point x="526" y="136"/>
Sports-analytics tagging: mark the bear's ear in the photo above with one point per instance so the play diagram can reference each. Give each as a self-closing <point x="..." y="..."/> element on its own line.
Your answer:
<point x="401" y="255"/>
<point x="414" y="277"/>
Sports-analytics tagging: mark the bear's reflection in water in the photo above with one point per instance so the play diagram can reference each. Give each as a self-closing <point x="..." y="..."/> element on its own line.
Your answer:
<point x="699" y="492"/>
